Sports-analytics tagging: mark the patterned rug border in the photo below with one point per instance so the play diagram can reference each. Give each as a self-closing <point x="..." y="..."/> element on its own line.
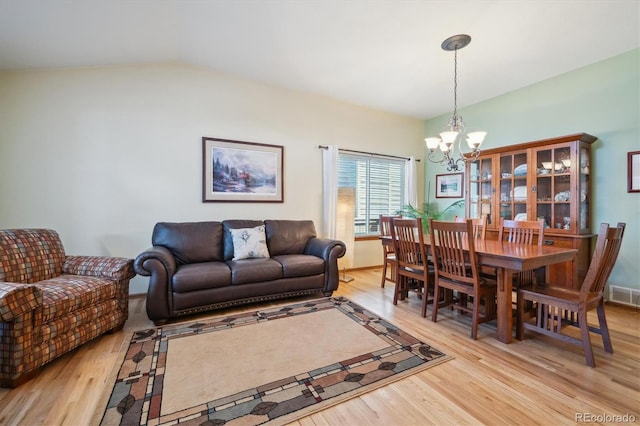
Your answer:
<point x="315" y="390"/>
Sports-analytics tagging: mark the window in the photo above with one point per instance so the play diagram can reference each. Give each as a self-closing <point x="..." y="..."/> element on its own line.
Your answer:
<point x="379" y="184"/>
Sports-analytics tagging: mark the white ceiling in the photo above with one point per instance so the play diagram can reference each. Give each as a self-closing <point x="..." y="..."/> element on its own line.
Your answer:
<point x="384" y="54"/>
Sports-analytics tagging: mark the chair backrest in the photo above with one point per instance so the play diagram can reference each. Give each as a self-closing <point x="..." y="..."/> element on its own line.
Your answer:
<point x="479" y="225"/>
<point x="521" y="231"/>
<point x="385" y="224"/>
<point x="453" y="250"/>
<point x="603" y="260"/>
<point x="408" y="242"/>
<point x="385" y="231"/>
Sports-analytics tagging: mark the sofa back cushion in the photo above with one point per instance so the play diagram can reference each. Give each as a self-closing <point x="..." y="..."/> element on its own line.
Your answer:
<point x="288" y="236"/>
<point x="190" y="242"/>
<point x="228" y="238"/>
<point x="30" y="255"/>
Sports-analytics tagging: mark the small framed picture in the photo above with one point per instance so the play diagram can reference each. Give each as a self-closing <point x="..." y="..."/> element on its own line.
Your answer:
<point x="449" y="186"/>
<point x="633" y="171"/>
<point x="235" y="171"/>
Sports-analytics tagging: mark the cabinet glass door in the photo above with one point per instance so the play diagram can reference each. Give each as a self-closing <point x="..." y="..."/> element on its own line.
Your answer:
<point x="583" y="183"/>
<point x="553" y="187"/>
<point x="481" y="189"/>
<point x="513" y="186"/>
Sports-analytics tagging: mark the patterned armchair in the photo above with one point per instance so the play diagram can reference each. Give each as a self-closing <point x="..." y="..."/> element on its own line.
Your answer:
<point x="51" y="303"/>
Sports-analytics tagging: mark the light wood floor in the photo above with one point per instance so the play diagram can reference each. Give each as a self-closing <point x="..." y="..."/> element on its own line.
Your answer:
<point x="536" y="381"/>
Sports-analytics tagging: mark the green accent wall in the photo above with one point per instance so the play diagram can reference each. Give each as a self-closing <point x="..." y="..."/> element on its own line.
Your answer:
<point x="602" y="99"/>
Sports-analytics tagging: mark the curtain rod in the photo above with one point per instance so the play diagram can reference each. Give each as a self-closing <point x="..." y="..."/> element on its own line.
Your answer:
<point x="367" y="153"/>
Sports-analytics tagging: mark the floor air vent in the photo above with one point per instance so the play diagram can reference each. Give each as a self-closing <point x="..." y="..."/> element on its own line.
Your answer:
<point x="626" y="296"/>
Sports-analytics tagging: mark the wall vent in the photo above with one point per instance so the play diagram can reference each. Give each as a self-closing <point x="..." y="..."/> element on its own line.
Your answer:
<point x="624" y="295"/>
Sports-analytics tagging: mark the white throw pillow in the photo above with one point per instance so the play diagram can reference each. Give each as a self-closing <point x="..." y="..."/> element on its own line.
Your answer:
<point x="249" y="243"/>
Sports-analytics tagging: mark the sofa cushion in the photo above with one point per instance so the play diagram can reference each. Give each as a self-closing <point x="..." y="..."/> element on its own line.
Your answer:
<point x="70" y="324"/>
<point x="30" y="255"/>
<point x="288" y="236"/>
<point x="254" y="270"/>
<point x="249" y="243"/>
<point x="300" y="265"/>
<point x="190" y="242"/>
<point x="199" y="276"/>
<point x="228" y="225"/>
<point x="68" y="293"/>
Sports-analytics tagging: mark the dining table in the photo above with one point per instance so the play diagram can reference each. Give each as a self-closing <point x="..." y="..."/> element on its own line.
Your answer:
<point x="508" y="258"/>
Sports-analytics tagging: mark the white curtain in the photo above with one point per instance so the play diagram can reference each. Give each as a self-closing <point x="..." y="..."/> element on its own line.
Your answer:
<point x="329" y="191"/>
<point x="411" y="182"/>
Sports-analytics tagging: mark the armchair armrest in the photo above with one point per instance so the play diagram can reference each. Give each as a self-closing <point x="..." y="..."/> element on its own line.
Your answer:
<point x="17" y="299"/>
<point x="116" y="268"/>
<point x="330" y="251"/>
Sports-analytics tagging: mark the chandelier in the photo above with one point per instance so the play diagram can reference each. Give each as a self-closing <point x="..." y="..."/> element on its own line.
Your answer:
<point x="447" y="140"/>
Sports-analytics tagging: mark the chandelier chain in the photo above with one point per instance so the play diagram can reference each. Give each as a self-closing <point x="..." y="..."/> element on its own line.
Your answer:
<point x="455" y="86"/>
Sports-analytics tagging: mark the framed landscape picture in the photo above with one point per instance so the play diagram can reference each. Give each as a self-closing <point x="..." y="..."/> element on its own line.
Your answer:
<point x="449" y="186"/>
<point x="236" y="171"/>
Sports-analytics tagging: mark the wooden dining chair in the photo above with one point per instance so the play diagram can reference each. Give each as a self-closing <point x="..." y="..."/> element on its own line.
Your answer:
<point x="388" y="254"/>
<point x="411" y="259"/>
<point x="479" y="225"/>
<point x="523" y="232"/>
<point x="456" y="269"/>
<point x="558" y="307"/>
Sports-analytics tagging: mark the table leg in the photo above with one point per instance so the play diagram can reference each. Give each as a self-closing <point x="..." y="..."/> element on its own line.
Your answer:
<point x="505" y="320"/>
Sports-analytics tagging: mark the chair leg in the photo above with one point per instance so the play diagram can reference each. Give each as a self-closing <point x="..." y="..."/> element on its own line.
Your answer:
<point x="436" y="302"/>
<point x="396" y="290"/>
<point x="475" y="315"/>
<point x="586" y="339"/>
<point x="519" y="316"/>
<point x="425" y="297"/>
<point x="384" y="273"/>
<point x="604" y="329"/>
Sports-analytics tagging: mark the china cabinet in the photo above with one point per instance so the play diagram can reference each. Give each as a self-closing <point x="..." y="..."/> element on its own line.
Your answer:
<point x="547" y="179"/>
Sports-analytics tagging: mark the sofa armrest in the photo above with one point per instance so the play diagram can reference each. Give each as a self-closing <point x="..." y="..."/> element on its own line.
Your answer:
<point x="158" y="253"/>
<point x="16" y="299"/>
<point x="115" y="268"/>
<point x="330" y="251"/>
<point x="159" y="264"/>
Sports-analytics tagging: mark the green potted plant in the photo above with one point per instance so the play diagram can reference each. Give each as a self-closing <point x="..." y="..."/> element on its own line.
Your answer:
<point x="431" y="210"/>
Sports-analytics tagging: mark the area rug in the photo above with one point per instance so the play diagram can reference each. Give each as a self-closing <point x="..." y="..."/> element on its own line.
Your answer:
<point x="270" y="366"/>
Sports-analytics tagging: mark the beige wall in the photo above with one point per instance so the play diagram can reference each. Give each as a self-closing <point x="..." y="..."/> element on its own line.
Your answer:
<point x="102" y="154"/>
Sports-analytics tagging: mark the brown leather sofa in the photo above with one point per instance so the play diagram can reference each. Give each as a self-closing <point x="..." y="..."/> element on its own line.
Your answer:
<point x="192" y="268"/>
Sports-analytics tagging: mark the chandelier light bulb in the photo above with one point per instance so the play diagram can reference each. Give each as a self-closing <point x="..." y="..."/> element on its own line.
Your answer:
<point x="432" y="143"/>
<point x="475" y="139"/>
<point x="449" y="137"/>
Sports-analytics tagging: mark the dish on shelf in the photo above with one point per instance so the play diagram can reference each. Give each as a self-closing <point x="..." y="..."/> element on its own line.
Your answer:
<point x="520" y="216"/>
<point x="519" y="193"/>
<point x="506" y="175"/>
<point x="544" y="171"/>
<point x="547" y="165"/>
<point x="563" y="196"/>
<point x="521" y="170"/>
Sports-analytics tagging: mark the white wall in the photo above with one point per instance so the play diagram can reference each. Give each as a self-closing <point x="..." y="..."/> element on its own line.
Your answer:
<point x="102" y="154"/>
